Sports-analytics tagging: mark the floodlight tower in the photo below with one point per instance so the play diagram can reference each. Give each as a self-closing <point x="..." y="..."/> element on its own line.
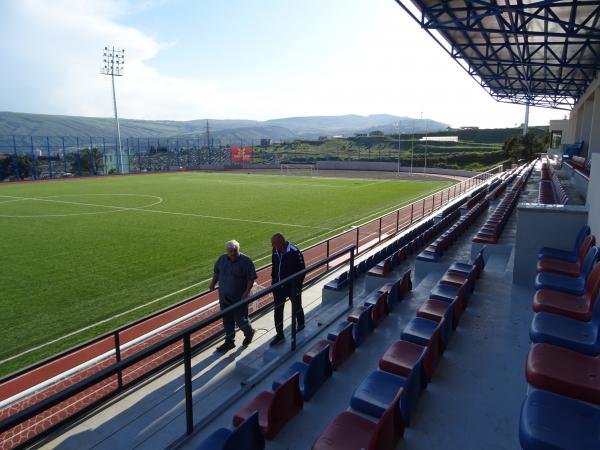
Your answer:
<point x="113" y="65"/>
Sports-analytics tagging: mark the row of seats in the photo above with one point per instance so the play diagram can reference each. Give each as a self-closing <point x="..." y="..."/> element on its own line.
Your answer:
<point x="582" y="164"/>
<point x="551" y="190"/>
<point x="439" y="245"/>
<point x="476" y="197"/>
<point x="383" y="262"/>
<point x="397" y="251"/>
<point x="382" y="404"/>
<point x="562" y="408"/>
<point x="490" y="231"/>
<point x="267" y="413"/>
<point x="437" y="248"/>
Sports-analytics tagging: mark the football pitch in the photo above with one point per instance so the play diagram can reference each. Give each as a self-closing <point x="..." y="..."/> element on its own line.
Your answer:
<point x="80" y="257"/>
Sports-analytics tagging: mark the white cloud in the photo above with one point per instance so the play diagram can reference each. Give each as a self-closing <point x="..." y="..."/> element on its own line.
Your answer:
<point x="55" y="47"/>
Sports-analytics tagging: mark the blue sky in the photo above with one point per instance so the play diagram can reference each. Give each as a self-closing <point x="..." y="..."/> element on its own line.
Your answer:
<point x="253" y="59"/>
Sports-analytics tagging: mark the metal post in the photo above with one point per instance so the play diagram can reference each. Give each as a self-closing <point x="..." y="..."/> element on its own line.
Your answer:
<point x="49" y="157"/>
<point x="526" y="120"/>
<point x="423" y="208"/>
<point x="91" y="160"/>
<point x="397" y="221"/>
<point x="33" y="169"/>
<point x="398" y="148"/>
<point x="104" y="155"/>
<point x="380" y="229"/>
<point x="327" y="254"/>
<point x="294" y="314"/>
<point x="64" y="155"/>
<point x="17" y="168"/>
<point x="139" y="156"/>
<point x="351" y="280"/>
<point x="412" y="207"/>
<point x="187" y="364"/>
<point x="118" y="357"/>
<point x="357" y="228"/>
<point x="78" y="158"/>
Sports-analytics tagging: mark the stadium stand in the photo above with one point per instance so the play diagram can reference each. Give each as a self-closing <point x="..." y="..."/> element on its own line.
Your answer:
<point x="551" y="189"/>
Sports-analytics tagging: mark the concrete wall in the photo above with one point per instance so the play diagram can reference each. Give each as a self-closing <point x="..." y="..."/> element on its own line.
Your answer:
<point x="593" y="197"/>
<point x="388" y="167"/>
<point x="543" y="226"/>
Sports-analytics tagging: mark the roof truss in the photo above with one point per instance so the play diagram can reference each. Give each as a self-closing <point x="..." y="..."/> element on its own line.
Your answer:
<point x="544" y="53"/>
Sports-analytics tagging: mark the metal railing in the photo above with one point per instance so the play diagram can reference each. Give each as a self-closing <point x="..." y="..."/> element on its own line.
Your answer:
<point x="181" y="339"/>
<point x="112" y="346"/>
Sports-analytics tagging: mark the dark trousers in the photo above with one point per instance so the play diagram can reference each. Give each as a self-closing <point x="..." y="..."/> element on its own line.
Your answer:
<point x="238" y="316"/>
<point x="279" y="298"/>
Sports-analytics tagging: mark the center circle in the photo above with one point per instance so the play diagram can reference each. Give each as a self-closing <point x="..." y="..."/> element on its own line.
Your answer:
<point x="150" y="200"/>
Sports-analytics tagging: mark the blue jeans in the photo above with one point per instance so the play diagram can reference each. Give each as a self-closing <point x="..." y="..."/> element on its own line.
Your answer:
<point x="238" y="316"/>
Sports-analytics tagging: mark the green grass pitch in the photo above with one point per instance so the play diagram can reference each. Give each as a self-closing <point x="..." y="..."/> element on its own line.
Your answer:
<point x="77" y="252"/>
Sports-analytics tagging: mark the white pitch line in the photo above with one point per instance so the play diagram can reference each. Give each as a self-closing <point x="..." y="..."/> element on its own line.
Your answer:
<point x="164" y="297"/>
<point x="124" y="208"/>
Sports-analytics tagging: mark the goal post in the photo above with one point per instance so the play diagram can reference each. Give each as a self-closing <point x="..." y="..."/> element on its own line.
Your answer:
<point x="299" y="169"/>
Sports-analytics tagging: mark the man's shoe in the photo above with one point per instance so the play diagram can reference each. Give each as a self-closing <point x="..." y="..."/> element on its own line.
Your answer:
<point x="277" y="340"/>
<point x="248" y="339"/>
<point x="225" y="347"/>
<point x="300" y="327"/>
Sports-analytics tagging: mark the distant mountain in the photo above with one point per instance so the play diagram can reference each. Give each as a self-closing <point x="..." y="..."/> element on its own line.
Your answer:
<point x="225" y="131"/>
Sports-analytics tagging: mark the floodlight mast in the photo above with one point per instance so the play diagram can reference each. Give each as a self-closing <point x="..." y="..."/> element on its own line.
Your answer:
<point x="113" y="65"/>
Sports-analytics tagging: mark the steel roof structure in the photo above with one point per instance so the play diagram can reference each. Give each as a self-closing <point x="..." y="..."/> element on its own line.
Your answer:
<point x="541" y="53"/>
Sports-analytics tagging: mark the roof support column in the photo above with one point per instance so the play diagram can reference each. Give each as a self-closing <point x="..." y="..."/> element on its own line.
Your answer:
<point x="586" y="124"/>
<point x="594" y="139"/>
<point x="526" y="120"/>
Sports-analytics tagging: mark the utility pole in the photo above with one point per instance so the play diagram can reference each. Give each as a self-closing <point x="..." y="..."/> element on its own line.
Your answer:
<point x="426" y="130"/>
<point x="398" y="125"/>
<point x="113" y="65"/>
<point x="412" y="147"/>
<point x="526" y="121"/>
<point x="207" y="135"/>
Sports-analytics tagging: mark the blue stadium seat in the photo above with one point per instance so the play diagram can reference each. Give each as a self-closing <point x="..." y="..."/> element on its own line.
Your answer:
<point x="377" y="391"/>
<point x="566" y="255"/>
<point x="563" y="283"/>
<point x="338" y="283"/>
<point x="582" y="337"/>
<point x="552" y="421"/>
<point x="312" y="375"/>
<point x="246" y="436"/>
<point x="361" y="318"/>
<point x="425" y="332"/>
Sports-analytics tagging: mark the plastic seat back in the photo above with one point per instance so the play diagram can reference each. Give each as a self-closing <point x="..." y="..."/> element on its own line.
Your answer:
<point x="592" y="286"/>
<point x="246" y="436"/>
<point x="319" y="369"/>
<point x="405" y="285"/>
<point x="342" y="347"/>
<point x="588" y="242"/>
<point x="581" y="235"/>
<point x="390" y="427"/>
<point x="287" y="402"/>
<point x="588" y="262"/>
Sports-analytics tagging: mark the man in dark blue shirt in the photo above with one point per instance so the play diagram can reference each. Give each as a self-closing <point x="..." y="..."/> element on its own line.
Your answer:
<point x="287" y="260"/>
<point x="235" y="274"/>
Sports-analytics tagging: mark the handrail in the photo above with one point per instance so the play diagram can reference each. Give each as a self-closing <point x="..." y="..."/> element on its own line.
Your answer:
<point x="464" y="186"/>
<point x="183" y="335"/>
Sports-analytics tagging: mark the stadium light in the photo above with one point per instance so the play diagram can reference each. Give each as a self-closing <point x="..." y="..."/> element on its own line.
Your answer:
<point x="113" y="65"/>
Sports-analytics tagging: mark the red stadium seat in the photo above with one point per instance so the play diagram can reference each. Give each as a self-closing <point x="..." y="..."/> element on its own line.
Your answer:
<point x="577" y="307"/>
<point x="564" y="371"/>
<point x="340" y="349"/>
<point x="571" y="269"/>
<point x="275" y="409"/>
<point x="349" y="431"/>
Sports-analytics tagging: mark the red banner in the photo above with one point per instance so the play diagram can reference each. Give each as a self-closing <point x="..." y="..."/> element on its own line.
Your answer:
<point x="241" y="153"/>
